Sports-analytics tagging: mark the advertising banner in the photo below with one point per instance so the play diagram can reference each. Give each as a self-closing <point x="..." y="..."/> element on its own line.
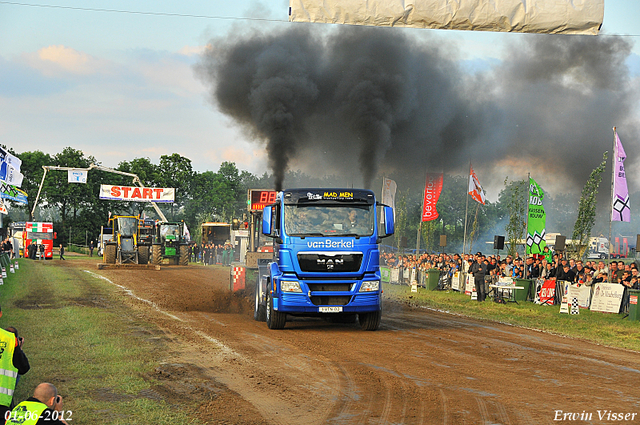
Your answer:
<point x="77" y="176"/>
<point x="432" y="191"/>
<point x="620" y="210"/>
<point x="607" y="297"/>
<point x="536" y="225"/>
<point x="10" y="174"/>
<point x="395" y="275"/>
<point x="14" y="161"/>
<point x="582" y="293"/>
<point x="470" y="285"/>
<point x="136" y="194"/>
<point x="547" y="293"/>
<point x="385" y="274"/>
<point x="12" y="193"/>
<point x="455" y="281"/>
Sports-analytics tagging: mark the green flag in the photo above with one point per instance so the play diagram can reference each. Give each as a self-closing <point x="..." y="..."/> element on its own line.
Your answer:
<point x="537" y="219"/>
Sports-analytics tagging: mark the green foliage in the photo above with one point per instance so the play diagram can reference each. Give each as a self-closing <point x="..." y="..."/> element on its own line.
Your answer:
<point x="401" y="219"/>
<point x="514" y="198"/>
<point x="78" y="213"/>
<point x="587" y="209"/>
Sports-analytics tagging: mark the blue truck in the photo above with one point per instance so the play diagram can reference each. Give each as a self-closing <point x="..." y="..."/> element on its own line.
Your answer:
<point x="325" y="257"/>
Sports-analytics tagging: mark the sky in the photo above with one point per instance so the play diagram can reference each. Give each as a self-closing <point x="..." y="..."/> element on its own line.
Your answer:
<point x="116" y="79"/>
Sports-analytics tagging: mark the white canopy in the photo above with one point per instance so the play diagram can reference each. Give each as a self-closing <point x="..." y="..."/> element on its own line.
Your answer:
<point x="532" y="16"/>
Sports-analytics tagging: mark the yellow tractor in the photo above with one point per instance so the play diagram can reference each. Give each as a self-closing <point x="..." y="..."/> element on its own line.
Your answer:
<point x="123" y="248"/>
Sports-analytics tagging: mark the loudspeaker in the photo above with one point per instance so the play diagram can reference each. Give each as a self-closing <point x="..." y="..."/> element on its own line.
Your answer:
<point x="403" y="242"/>
<point x="560" y="241"/>
<point x="443" y="240"/>
<point x="637" y="242"/>
<point x="498" y="242"/>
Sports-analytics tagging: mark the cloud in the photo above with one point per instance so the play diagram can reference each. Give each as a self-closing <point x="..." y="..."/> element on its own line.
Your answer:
<point x="18" y="79"/>
<point x="58" y="61"/>
<point x="192" y="50"/>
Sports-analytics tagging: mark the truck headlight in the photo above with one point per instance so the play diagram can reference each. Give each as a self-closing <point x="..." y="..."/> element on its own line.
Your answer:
<point x="370" y="286"/>
<point x="290" y="286"/>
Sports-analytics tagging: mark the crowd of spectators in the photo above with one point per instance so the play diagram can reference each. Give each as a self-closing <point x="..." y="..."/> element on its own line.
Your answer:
<point x="7" y="247"/>
<point x="547" y="266"/>
<point x="210" y="253"/>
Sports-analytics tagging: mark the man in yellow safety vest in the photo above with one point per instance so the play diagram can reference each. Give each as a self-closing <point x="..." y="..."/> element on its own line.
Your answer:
<point x="13" y="362"/>
<point x="45" y="407"/>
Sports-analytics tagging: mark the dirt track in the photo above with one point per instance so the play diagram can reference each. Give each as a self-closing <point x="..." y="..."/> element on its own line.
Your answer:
<point x="421" y="367"/>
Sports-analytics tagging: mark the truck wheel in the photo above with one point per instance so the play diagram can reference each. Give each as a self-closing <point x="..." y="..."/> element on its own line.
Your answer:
<point x="157" y="254"/>
<point x="259" y="310"/>
<point x="143" y="254"/>
<point x="110" y="254"/>
<point x="370" y="321"/>
<point x="275" y="319"/>
<point x="184" y="255"/>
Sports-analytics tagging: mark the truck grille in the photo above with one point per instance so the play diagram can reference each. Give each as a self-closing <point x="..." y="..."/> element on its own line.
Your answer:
<point x="330" y="287"/>
<point x="330" y="300"/>
<point x="324" y="262"/>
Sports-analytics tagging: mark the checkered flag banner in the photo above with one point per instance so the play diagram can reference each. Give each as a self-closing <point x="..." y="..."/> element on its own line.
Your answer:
<point x="575" y="309"/>
<point x="537" y="222"/>
<point x="620" y="210"/>
<point x="12" y="193"/>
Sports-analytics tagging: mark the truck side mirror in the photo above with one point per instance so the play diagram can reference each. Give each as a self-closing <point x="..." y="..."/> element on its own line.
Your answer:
<point x="266" y="220"/>
<point x="389" y="225"/>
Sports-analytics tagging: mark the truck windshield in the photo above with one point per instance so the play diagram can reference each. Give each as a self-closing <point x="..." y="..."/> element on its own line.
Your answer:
<point x="171" y="230"/>
<point x="329" y="220"/>
<point x="128" y="226"/>
<point x="40" y="235"/>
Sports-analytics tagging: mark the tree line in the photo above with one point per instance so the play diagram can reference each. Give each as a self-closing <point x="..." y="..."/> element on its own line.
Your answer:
<point x="77" y="212"/>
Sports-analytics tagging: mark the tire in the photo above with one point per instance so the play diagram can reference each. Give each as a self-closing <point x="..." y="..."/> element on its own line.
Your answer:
<point x="143" y="254"/>
<point x="370" y="321"/>
<point x="259" y="310"/>
<point x="275" y="319"/>
<point x="110" y="254"/>
<point x="157" y="254"/>
<point x="184" y="255"/>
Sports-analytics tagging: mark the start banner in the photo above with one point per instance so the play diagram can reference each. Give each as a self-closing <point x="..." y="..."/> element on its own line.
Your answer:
<point x="137" y="194"/>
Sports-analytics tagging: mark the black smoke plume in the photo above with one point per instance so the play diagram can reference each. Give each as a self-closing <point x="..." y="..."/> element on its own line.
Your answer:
<point x="378" y="100"/>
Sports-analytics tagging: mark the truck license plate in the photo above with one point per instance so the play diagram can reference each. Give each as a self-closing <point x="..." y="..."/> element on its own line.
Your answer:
<point x="330" y="309"/>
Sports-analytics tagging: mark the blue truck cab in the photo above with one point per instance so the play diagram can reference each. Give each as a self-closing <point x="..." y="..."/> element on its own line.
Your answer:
<point x="325" y="256"/>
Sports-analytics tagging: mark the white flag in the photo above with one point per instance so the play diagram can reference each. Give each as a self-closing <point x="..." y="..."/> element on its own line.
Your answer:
<point x="389" y="188"/>
<point x="186" y="233"/>
<point x="14" y="161"/>
<point x="475" y="190"/>
<point x="10" y="175"/>
<point x="77" y="176"/>
<point x="3" y="207"/>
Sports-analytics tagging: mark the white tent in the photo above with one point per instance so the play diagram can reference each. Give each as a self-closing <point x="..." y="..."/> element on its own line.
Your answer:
<point x="532" y="16"/>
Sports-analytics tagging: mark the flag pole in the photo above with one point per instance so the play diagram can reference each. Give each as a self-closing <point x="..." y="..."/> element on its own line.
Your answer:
<point x="526" y="224"/>
<point x="466" y="209"/>
<point x="613" y="179"/>
<point x="421" y="212"/>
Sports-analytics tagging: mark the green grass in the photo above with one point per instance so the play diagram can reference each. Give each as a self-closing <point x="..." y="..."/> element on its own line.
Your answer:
<point x="80" y="337"/>
<point x="602" y="328"/>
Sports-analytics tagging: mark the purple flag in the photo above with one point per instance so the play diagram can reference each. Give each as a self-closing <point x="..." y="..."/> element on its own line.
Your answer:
<point x="620" y="210"/>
